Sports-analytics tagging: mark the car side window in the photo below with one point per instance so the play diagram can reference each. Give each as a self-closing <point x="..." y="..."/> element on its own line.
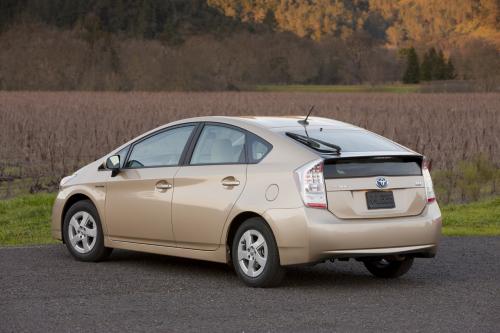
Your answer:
<point x="219" y="145"/>
<point x="162" y="149"/>
<point x="258" y="149"/>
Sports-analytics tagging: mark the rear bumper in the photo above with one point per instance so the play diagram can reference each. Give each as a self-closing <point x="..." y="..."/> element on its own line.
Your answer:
<point x="425" y="251"/>
<point x="306" y="235"/>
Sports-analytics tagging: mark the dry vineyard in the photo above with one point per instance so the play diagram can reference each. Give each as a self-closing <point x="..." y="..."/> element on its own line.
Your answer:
<point x="45" y="135"/>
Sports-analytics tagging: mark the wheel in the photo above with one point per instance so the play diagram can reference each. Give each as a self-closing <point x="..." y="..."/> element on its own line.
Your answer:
<point x="255" y="254"/>
<point x="82" y="232"/>
<point x="389" y="269"/>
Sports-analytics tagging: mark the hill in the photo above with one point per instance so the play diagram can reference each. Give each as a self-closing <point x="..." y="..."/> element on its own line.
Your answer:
<point x="397" y="22"/>
<point x="229" y="44"/>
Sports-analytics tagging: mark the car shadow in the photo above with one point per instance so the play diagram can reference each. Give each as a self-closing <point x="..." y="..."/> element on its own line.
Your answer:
<point x="324" y="275"/>
<point x="159" y="262"/>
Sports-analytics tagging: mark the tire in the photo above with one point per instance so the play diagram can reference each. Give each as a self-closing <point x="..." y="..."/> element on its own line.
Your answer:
<point x="82" y="232"/>
<point x="389" y="269"/>
<point x="268" y="273"/>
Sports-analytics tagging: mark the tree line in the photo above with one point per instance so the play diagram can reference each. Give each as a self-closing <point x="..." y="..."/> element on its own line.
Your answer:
<point x="434" y="66"/>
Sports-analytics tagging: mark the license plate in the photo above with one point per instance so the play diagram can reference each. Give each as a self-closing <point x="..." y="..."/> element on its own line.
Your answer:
<point x="380" y="200"/>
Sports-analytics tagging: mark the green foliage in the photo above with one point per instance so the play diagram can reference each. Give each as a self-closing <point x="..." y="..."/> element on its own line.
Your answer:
<point x="450" y="70"/>
<point x="412" y="72"/>
<point x="26" y="220"/>
<point x="474" y="219"/>
<point x="475" y="175"/>
<point x="440" y="67"/>
<point x="428" y="64"/>
<point x="468" y="181"/>
<point x="436" y="67"/>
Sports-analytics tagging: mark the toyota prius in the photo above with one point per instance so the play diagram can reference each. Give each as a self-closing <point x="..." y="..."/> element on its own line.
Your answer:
<point x="258" y="193"/>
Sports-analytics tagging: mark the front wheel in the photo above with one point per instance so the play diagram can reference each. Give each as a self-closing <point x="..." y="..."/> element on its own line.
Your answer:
<point x="255" y="254"/>
<point x="82" y="232"/>
<point x="389" y="268"/>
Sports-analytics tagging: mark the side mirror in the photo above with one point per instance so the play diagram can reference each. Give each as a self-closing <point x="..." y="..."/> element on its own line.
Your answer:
<point x="113" y="164"/>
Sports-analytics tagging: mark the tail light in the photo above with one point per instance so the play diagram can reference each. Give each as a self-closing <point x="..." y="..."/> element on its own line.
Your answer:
<point x="311" y="184"/>
<point x="429" y="187"/>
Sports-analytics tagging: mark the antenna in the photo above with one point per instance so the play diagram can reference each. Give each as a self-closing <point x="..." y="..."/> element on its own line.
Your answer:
<point x="305" y="122"/>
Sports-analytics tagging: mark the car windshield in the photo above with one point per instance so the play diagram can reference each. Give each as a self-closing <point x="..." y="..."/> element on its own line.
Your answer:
<point x="351" y="140"/>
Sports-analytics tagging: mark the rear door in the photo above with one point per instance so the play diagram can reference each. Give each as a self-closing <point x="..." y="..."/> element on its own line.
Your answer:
<point x="208" y="186"/>
<point x="375" y="186"/>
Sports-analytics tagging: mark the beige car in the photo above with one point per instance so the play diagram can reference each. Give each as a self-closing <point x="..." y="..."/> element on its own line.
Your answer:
<point x="261" y="193"/>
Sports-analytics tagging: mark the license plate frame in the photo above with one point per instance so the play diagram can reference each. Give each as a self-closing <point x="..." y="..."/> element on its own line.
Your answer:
<point x="380" y="200"/>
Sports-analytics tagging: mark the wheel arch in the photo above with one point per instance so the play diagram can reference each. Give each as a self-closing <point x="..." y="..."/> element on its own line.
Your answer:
<point x="236" y="222"/>
<point x="74" y="198"/>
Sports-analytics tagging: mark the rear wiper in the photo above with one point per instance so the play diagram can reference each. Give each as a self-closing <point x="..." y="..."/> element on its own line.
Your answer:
<point x="315" y="143"/>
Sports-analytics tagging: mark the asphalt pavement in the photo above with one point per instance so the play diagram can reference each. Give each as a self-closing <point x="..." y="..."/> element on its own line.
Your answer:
<point x="42" y="289"/>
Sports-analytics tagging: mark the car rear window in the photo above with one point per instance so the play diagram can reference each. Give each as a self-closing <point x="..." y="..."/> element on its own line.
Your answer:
<point x="352" y="140"/>
<point x="372" y="166"/>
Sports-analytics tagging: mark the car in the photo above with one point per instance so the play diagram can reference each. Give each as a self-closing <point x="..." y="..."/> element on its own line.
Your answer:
<point x="259" y="193"/>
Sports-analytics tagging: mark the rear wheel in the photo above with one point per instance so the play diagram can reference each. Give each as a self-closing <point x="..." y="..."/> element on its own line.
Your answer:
<point x="82" y="232"/>
<point x="389" y="268"/>
<point x="255" y="254"/>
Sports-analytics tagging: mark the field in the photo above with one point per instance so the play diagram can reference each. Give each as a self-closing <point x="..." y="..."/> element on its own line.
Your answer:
<point x="46" y="135"/>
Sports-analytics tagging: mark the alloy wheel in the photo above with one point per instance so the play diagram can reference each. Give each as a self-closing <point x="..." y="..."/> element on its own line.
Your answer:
<point x="82" y="232"/>
<point x="252" y="253"/>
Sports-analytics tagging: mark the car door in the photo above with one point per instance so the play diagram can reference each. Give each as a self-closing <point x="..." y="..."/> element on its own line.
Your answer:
<point x="207" y="187"/>
<point x="139" y="198"/>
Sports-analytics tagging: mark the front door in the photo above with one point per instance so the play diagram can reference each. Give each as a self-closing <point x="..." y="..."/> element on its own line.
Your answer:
<point x="207" y="188"/>
<point x="139" y="198"/>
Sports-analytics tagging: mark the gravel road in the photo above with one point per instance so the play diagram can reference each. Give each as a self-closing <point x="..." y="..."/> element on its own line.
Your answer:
<point x="43" y="289"/>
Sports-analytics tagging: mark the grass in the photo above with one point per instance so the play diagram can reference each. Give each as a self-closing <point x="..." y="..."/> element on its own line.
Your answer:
<point x="25" y="220"/>
<point x="390" y="88"/>
<point x="474" y="219"/>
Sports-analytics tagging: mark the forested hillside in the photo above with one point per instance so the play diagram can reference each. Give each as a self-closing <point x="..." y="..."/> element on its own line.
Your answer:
<point x="398" y="22"/>
<point x="230" y="44"/>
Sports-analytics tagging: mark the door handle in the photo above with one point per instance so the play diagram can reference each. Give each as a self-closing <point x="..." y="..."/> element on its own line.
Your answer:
<point x="163" y="186"/>
<point x="230" y="181"/>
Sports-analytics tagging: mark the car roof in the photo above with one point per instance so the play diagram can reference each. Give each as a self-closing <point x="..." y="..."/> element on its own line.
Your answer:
<point x="266" y="127"/>
<point x="276" y="122"/>
<point x="276" y="125"/>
